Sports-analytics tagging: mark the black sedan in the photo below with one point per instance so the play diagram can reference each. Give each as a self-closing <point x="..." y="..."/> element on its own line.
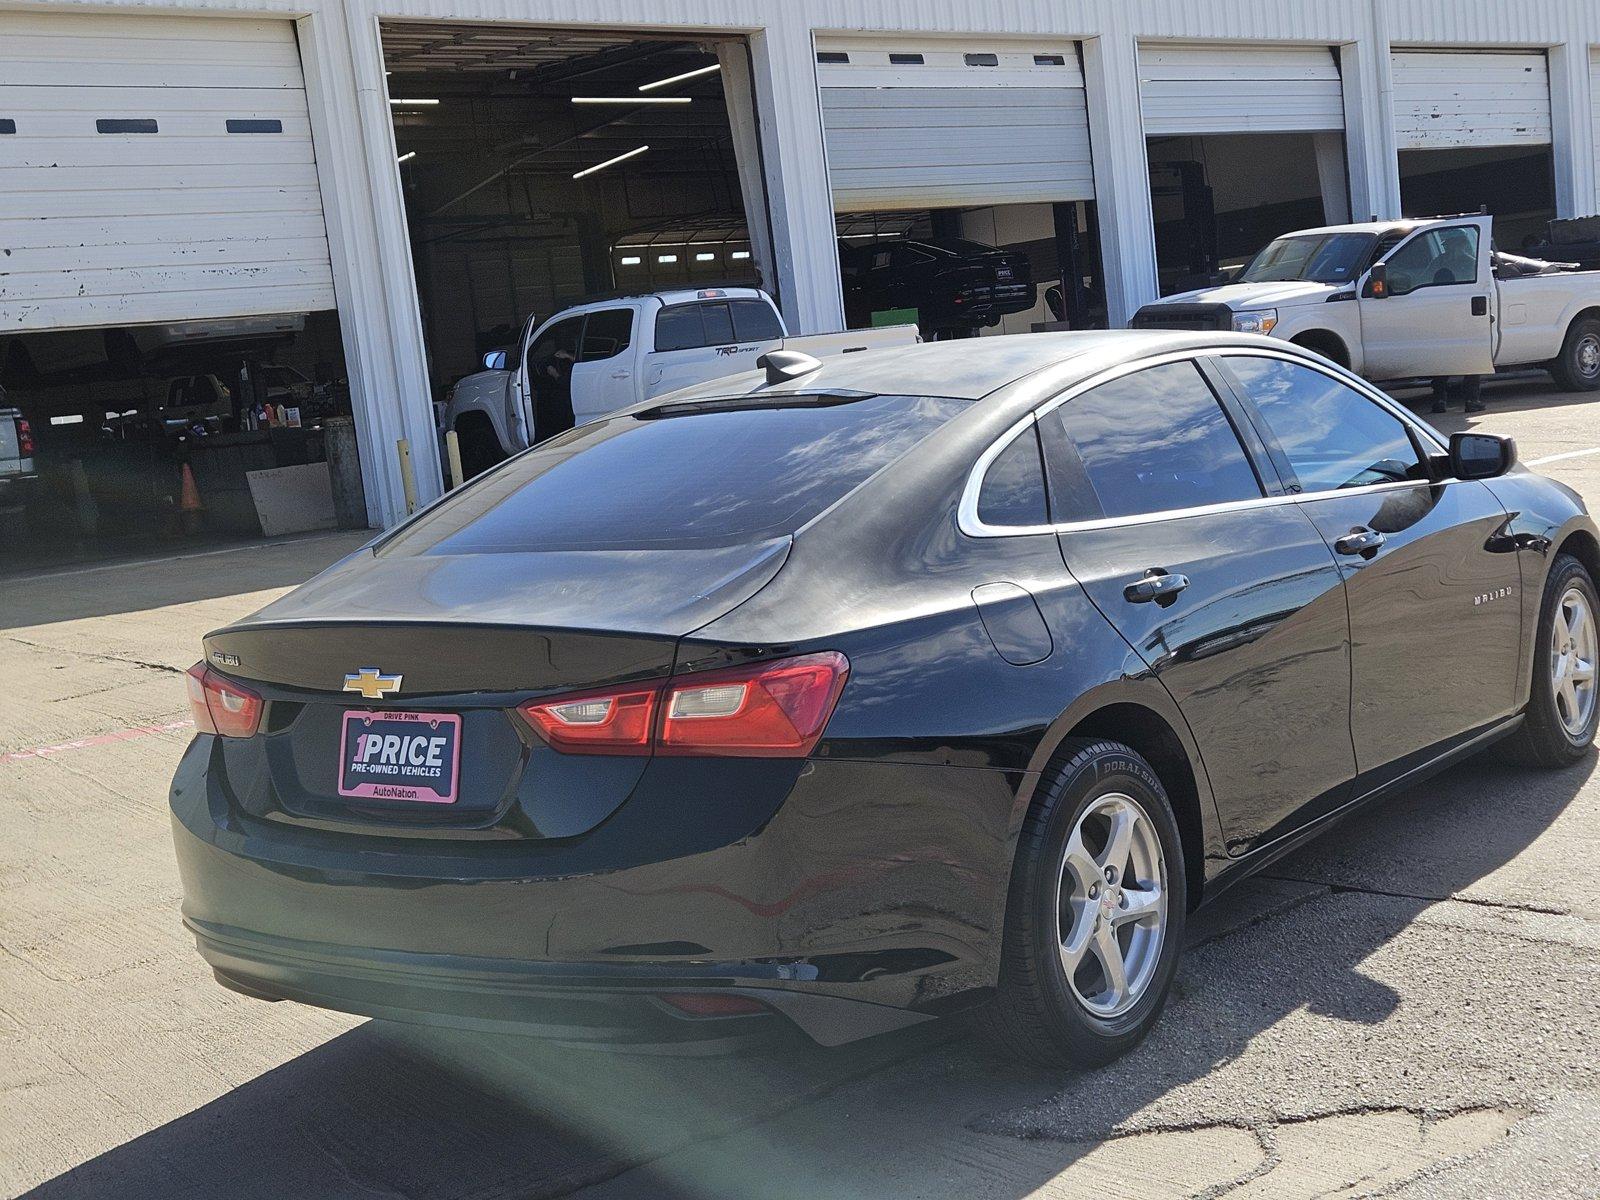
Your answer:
<point x="923" y="681"/>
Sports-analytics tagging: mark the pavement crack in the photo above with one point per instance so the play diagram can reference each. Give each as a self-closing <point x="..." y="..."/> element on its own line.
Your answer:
<point x="97" y="656"/>
<point x="1340" y="889"/>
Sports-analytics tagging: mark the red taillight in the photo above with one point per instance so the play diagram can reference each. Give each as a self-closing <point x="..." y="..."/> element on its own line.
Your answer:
<point x="220" y="705"/>
<point x="768" y="710"/>
<point x="597" y="723"/>
<point x="24" y="438"/>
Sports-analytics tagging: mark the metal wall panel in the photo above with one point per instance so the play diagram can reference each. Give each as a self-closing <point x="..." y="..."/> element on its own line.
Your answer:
<point x="1452" y="98"/>
<point x="915" y="123"/>
<point x="127" y="198"/>
<point x="1233" y="88"/>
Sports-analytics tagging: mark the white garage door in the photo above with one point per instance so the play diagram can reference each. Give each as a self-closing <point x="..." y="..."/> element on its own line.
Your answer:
<point x="1450" y="98"/>
<point x="1223" y="88"/>
<point x="946" y="124"/>
<point x="155" y="169"/>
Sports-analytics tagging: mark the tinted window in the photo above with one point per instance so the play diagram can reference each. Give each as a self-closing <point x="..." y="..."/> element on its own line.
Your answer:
<point x="1154" y="441"/>
<point x="561" y="339"/>
<point x="1333" y="436"/>
<point x="702" y="479"/>
<point x="1434" y="259"/>
<point x="689" y="326"/>
<point x="607" y="334"/>
<point x="754" y="321"/>
<point x="1013" y="487"/>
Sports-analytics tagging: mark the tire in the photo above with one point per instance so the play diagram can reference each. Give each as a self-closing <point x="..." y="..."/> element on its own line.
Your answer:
<point x="1040" y="1015"/>
<point x="480" y="449"/>
<point x="1577" y="367"/>
<point x="1554" y="734"/>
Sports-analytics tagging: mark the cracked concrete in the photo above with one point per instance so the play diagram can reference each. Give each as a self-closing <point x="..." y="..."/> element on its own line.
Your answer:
<point x="1406" y="1008"/>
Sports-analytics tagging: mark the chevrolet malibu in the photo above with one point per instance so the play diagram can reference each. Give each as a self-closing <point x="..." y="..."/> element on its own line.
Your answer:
<point x="849" y="695"/>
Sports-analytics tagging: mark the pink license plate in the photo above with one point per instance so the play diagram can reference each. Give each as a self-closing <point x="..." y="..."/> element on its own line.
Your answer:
<point x="410" y="756"/>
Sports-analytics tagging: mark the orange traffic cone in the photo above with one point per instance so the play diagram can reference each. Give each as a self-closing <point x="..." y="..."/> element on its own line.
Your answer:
<point x="189" y="501"/>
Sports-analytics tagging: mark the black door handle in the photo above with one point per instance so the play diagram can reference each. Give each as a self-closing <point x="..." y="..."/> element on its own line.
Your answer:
<point x="1157" y="585"/>
<point x="1363" y="541"/>
<point x="1480" y="306"/>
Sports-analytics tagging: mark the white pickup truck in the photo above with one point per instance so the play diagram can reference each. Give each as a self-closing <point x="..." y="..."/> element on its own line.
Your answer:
<point x="593" y="359"/>
<point x="1406" y="299"/>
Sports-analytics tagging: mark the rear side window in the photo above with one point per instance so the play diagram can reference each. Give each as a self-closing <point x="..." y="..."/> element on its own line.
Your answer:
<point x="1013" y="488"/>
<point x="1153" y="441"/>
<point x="607" y="334"/>
<point x="690" y="326"/>
<point x="703" y="479"/>
<point x="754" y="321"/>
<point x="1333" y="436"/>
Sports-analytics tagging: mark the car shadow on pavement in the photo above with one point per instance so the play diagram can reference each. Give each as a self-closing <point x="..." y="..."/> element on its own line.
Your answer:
<point x="45" y="597"/>
<point x="1293" y="963"/>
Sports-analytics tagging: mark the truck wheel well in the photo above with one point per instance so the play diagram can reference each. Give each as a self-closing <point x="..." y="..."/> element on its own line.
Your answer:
<point x="1581" y="315"/>
<point x="480" y="444"/>
<point x="1147" y="733"/>
<point x="1325" y="343"/>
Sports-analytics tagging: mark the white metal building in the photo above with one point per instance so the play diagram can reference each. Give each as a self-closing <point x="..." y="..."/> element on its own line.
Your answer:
<point x="273" y="186"/>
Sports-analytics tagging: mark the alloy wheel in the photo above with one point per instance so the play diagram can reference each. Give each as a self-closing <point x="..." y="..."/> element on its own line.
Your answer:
<point x="1572" y="661"/>
<point x="1111" y="905"/>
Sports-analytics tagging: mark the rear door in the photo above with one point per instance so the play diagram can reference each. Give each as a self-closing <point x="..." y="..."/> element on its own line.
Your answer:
<point x="602" y="379"/>
<point x="1435" y="319"/>
<point x="1431" y="574"/>
<point x="1185" y="541"/>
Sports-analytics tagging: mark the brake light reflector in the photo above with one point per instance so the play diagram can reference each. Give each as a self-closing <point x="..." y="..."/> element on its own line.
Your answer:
<point x="712" y="1004"/>
<point x="768" y="710"/>
<point x="220" y="705"/>
<point x="774" y="709"/>
<point x="601" y="723"/>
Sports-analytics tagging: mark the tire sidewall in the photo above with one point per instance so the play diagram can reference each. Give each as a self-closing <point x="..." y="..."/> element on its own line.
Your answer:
<point x="1564" y="574"/>
<point x="1105" y="768"/>
<point x="1574" y="377"/>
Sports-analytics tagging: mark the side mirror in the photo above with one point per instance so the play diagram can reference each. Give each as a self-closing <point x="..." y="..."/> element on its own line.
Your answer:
<point x="494" y="360"/>
<point x="1481" y="455"/>
<point x="1377" y="282"/>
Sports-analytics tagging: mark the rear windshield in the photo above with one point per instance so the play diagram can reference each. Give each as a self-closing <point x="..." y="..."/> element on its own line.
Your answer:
<point x="699" y="479"/>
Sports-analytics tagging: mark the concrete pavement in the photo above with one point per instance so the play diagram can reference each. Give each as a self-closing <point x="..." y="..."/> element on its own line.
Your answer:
<point x="1406" y="1007"/>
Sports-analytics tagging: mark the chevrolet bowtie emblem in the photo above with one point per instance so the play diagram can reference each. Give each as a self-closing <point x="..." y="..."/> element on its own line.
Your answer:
<point x="372" y="683"/>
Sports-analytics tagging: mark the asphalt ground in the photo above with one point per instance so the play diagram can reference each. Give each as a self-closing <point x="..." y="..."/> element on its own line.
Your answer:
<point x="1407" y="1007"/>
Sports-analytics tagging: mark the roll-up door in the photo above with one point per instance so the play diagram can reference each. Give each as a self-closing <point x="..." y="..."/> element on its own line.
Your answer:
<point x="1446" y="99"/>
<point x="155" y="169"/>
<point x="951" y="123"/>
<point x="1189" y="88"/>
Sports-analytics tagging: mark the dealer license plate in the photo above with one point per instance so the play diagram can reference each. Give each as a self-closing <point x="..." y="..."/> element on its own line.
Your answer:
<point x="400" y="756"/>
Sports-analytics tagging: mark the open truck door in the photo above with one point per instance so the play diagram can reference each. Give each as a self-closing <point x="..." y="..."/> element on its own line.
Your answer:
<point x="1428" y="307"/>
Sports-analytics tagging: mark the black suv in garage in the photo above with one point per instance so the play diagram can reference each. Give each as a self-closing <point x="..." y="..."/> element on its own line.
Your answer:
<point x="952" y="284"/>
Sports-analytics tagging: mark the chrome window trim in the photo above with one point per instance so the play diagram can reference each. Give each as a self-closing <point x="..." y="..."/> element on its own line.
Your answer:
<point x="969" y="523"/>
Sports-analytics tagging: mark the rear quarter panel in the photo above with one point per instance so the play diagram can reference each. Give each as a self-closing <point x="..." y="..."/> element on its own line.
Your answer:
<point x="1535" y="311"/>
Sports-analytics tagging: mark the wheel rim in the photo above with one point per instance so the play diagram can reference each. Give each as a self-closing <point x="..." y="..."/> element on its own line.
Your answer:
<point x="1589" y="355"/>
<point x="1111" y="905"/>
<point x="1572" y="661"/>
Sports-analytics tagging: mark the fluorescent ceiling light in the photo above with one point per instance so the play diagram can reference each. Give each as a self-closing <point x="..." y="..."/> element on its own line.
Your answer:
<point x="740" y="254"/>
<point x="411" y="103"/>
<point x="650" y="87"/>
<point x="610" y="162"/>
<point x="632" y="100"/>
<point x="666" y="258"/>
<point x="74" y="419"/>
<point x="407" y="155"/>
<point x="630" y="260"/>
<point x="704" y="257"/>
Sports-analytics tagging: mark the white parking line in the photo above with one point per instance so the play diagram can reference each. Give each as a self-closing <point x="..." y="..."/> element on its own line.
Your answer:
<point x="1550" y="458"/>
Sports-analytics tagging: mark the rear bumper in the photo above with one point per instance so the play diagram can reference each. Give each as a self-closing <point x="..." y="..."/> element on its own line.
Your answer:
<point x="575" y="1003"/>
<point x="833" y="911"/>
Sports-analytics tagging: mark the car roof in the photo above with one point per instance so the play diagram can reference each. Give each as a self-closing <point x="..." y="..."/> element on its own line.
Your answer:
<point x="967" y="368"/>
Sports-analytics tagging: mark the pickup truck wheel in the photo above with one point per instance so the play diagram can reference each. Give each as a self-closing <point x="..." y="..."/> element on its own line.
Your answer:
<point x="1577" y="367"/>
